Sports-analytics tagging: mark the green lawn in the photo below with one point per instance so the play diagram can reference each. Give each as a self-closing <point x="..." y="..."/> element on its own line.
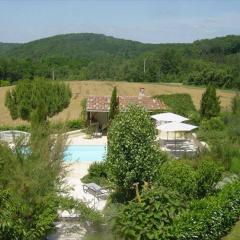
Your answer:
<point x="234" y="234"/>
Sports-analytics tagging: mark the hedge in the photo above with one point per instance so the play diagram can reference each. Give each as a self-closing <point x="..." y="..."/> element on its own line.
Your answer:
<point x="210" y="218"/>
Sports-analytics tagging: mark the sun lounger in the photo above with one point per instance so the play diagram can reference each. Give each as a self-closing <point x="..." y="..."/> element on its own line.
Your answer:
<point x="97" y="134"/>
<point x="96" y="190"/>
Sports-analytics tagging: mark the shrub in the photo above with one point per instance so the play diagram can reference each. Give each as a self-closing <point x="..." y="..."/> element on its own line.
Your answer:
<point x="74" y="124"/>
<point x="97" y="173"/>
<point x="151" y="218"/>
<point x="208" y="174"/>
<point x="18" y="220"/>
<point x="235" y="165"/>
<point x="24" y="128"/>
<point x="214" y="123"/>
<point x="4" y="83"/>
<point x="178" y="176"/>
<point x="209" y="218"/>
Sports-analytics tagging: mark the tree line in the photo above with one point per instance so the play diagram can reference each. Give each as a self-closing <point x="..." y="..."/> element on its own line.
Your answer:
<point x="93" y="56"/>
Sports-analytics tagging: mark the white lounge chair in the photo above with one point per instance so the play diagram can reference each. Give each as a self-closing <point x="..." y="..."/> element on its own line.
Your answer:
<point x="96" y="190"/>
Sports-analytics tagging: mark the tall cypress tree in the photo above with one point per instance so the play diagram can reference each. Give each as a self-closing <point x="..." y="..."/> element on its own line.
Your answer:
<point x="114" y="105"/>
<point x="210" y="103"/>
<point x="236" y="104"/>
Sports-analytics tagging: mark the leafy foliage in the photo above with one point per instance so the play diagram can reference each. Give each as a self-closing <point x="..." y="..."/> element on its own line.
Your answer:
<point x="179" y="177"/>
<point x="210" y="103"/>
<point x="29" y="186"/>
<point x="151" y="218"/>
<point x="94" y="56"/>
<point x="222" y="135"/>
<point x="37" y="99"/>
<point x="97" y="173"/>
<point x="74" y="124"/>
<point x="207" y="176"/>
<point x="209" y="218"/>
<point x="132" y="155"/>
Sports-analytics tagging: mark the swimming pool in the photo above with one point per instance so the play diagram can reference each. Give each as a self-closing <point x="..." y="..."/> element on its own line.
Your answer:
<point x="88" y="153"/>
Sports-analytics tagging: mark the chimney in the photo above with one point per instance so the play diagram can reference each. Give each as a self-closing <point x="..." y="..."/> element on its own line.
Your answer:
<point x="141" y="93"/>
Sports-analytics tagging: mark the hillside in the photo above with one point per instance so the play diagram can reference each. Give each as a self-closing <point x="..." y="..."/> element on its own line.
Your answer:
<point x="85" y="45"/>
<point x="5" y="47"/>
<point x="83" y="56"/>
<point x="82" y="89"/>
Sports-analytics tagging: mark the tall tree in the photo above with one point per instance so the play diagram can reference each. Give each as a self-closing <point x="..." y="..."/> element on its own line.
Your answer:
<point x="133" y="155"/>
<point x="210" y="103"/>
<point x="114" y="104"/>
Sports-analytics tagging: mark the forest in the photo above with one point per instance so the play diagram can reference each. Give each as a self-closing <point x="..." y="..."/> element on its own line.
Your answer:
<point x="85" y="56"/>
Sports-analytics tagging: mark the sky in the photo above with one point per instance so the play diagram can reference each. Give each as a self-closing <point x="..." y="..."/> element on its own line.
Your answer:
<point x="149" y="21"/>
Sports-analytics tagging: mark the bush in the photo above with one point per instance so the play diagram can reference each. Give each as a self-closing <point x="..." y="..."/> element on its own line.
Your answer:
<point x="235" y="165"/>
<point x="207" y="175"/>
<point x="4" y="83"/>
<point x="151" y="218"/>
<point x="214" y="123"/>
<point x="74" y="124"/>
<point x="20" y="221"/>
<point x="178" y="176"/>
<point x="24" y="128"/>
<point x="97" y="173"/>
<point x="209" y="218"/>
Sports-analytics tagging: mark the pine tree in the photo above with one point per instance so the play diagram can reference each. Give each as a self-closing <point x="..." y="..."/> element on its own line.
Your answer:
<point x="114" y="105"/>
<point x="210" y="103"/>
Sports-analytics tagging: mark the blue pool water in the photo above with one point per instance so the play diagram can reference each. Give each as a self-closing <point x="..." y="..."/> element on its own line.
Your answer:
<point x="89" y="153"/>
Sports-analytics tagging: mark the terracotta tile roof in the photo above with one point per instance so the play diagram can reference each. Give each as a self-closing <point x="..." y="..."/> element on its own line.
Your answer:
<point x="102" y="103"/>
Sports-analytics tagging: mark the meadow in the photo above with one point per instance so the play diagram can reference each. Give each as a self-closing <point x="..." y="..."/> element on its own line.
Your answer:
<point x="82" y="89"/>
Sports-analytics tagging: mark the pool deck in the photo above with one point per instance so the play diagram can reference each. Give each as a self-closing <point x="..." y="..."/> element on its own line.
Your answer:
<point x="81" y="139"/>
<point x="76" y="170"/>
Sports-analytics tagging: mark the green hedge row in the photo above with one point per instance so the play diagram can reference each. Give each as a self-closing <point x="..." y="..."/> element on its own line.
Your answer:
<point x="180" y="103"/>
<point x="210" y="218"/>
<point x="25" y="128"/>
<point x="69" y="125"/>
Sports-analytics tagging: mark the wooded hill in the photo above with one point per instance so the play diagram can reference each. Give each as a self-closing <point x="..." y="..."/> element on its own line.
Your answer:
<point x="95" y="56"/>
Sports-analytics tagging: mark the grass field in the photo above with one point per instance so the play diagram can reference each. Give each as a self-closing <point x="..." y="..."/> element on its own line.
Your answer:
<point x="234" y="234"/>
<point x="82" y="89"/>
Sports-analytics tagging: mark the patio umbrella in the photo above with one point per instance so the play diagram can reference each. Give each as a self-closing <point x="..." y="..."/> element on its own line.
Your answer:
<point x="176" y="127"/>
<point x="169" y="117"/>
